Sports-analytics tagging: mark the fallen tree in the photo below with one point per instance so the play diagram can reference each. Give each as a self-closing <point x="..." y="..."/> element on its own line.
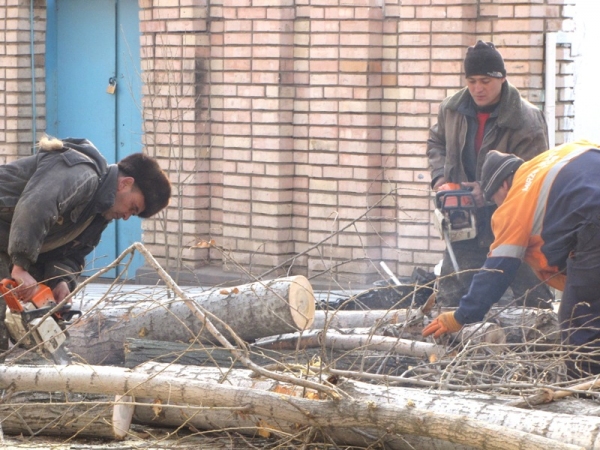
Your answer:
<point x="250" y="311"/>
<point x="519" y="324"/>
<point x="57" y="414"/>
<point x="397" y="412"/>
<point x="367" y="339"/>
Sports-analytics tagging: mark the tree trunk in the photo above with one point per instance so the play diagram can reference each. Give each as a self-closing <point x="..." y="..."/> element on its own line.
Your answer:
<point x="487" y="333"/>
<point x="519" y="324"/>
<point x="139" y="351"/>
<point x="254" y="310"/>
<point x="407" y="412"/>
<point x="57" y="414"/>
<point x="89" y="416"/>
<point x="357" y="319"/>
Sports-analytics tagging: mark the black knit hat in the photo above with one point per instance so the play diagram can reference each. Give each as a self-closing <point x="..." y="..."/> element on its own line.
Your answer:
<point x="150" y="179"/>
<point x="484" y="59"/>
<point x="497" y="167"/>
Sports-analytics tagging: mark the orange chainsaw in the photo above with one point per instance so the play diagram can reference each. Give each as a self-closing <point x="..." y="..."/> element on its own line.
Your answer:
<point x="25" y="325"/>
<point x="454" y="216"/>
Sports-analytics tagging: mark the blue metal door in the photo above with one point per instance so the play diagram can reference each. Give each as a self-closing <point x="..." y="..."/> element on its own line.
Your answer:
<point x="91" y="45"/>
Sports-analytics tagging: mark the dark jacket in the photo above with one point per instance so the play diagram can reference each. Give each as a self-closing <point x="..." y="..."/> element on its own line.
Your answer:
<point x="516" y="127"/>
<point x="51" y="205"/>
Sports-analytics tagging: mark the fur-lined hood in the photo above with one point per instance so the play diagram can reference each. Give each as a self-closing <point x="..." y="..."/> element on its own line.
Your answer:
<point x="83" y="146"/>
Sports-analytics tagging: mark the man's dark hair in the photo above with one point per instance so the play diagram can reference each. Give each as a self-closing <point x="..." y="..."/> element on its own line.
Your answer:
<point x="150" y="179"/>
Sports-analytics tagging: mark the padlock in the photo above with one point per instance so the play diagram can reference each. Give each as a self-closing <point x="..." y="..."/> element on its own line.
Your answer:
<point x="112" y="85"/>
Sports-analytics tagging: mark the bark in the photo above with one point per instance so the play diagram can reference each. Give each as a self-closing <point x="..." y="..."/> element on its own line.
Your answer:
<point x="398" y="411"/>
<point x="519" y="324"/>
<point x="332" y="339"/>
<point x="139" y="351"/>
<point x="251" y="311"/>
<point x="357" y="319"/>
<point x="57" y="414"/>
<point x="362" y="338"/>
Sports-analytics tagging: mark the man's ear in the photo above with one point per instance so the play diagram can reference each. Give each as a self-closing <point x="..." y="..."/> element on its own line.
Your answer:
<point x="124" y="183"/>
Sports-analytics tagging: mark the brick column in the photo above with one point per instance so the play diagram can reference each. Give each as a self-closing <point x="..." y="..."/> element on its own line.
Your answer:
<point x="254" y="106"/>
<point x="16" y="94"/>
<point x="175" y="49"/>
<point x="338" y="137"/>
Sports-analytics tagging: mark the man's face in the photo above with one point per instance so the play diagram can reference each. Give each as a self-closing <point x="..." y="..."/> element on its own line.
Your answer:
<point x="485" y="90"/>
<point x="501" y="194"/>
<point x="129" y="201"/>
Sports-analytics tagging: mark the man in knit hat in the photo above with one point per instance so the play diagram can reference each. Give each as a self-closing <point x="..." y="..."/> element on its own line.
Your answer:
<point x="55" y="204"/>
<point x="548" y="216"/>
<point x="487" y="114"/>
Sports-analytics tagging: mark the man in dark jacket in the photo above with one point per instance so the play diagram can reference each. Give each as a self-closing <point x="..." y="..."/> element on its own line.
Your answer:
<point x="487" y="114"/>
<point x="54" y="206"/>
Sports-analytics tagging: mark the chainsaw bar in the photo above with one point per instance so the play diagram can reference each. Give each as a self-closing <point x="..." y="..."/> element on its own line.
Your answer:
<point x="61" y="356"/>
<point x="451" y="250"/>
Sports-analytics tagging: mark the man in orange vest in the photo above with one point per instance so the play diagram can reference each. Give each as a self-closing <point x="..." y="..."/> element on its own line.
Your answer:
<point x="548" y="216"/>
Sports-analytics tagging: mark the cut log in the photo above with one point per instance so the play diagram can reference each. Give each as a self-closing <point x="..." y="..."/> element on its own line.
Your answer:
<point x="519" y="324"/>
<point x="357" y="319"/>
<point x="356" y="339"/>
<point x="123" y="410"/>
<point x="57" y="414"/>
<point x="532" y="325"/>
<point x="386" y="410"/>
<point x="255" y="310"/>
<point x="332" y="339"/>
<point x="139" y="351"/>
<point x="402" y="412"/>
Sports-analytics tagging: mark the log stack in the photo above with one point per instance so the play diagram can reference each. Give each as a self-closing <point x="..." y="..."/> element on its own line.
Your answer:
<point x="343" y="376"/>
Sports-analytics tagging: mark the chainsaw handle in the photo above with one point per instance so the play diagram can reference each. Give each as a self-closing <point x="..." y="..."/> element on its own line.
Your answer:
<point x="457" y="199"/>
<point x="43" y="295"/>
<point x="7" y="287"/>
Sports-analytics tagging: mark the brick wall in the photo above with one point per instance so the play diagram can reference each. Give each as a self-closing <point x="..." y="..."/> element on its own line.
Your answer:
<point x="16" y="96"/>
<point x="309" y="118"/>
<point x="175" y="63"/>
<point x="284" y="122"/>
<point x="319" y="111"/>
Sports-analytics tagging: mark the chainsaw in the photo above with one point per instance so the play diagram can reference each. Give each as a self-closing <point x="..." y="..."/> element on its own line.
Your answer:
<point x="454" y="216"/>
<point x="26" y="326"/>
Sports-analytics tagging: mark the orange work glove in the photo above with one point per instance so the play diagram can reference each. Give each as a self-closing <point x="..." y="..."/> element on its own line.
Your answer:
<point x="444" y="323"/>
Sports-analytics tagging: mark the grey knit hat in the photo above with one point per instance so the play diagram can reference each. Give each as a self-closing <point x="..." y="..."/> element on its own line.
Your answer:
<point x="497" y="167"/>
<point x="484" y="59"/>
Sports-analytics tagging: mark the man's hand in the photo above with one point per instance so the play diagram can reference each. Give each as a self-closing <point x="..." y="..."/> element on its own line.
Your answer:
<point x="444" y="323"/>
<point x="27" y="285"/>
<point x="60" y="291"/>
<point x="438" y="182"/>
<point x="476" y="192"/>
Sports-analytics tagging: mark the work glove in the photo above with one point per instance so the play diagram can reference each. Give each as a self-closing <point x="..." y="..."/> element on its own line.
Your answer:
<point x="444" y="323"/>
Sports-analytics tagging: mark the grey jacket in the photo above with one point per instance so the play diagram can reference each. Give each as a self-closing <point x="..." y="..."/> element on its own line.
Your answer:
<point x="50" y="205"/>
<point x="518" y="128"/>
